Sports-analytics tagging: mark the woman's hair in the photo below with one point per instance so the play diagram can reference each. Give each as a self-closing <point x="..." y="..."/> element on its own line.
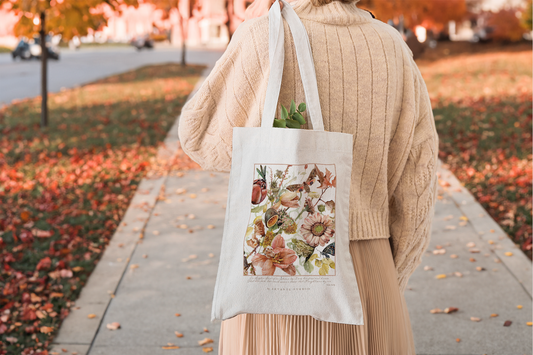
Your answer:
<point x="324" y="2"/>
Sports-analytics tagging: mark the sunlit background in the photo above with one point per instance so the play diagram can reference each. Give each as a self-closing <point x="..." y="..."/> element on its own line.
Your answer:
<point x="119" y="74"/>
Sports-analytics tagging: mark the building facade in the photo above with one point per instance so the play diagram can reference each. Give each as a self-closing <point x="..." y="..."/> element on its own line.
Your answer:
<point x="208" y="23"/>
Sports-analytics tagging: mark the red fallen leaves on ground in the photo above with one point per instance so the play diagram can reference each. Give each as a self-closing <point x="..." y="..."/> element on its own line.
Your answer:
<point x="487" y="144"/>
<point x="64" y="190"/>
<point x="482" y="109"/>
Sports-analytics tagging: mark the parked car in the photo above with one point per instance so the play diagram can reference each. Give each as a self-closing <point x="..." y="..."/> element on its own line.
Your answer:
<point x="74" y="43"/>
<point x="28" y="49"/>
<point x="482" y="34"/>
<point x="143" y="41"/>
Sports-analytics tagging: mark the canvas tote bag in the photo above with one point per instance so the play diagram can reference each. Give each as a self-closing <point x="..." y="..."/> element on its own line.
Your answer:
<point x="285" y="247"/>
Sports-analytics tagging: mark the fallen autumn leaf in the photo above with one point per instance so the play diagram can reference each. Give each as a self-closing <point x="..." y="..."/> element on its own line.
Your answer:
<point x="113" y="326"/>
<point x="451" y="310"/>
<point x="205" y="341"/>
<point x="46" y="330"/>
<point x="170" y="347"/>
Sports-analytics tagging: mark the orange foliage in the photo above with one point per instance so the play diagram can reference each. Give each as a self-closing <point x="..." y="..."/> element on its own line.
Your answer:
<point x="434" y="13"/>
<point x="66" y="17"/>
<point x="506" y="24"/>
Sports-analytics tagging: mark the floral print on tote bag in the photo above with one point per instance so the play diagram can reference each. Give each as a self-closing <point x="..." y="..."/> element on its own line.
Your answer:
<point x="291" y="230"/>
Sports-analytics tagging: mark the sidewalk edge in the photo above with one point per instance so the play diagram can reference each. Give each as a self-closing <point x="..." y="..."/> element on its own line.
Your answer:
<point x="74" y="321"/>
<point x="489" y="231"/>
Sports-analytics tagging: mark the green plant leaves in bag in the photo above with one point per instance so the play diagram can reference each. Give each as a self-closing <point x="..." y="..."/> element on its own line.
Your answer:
<point x="280" y="123"/>
<point x="292" y="118"/>
<point x="284" y="113"/>
<point x="293" y="124"/>
<point x="298" y="117"/>
<point x="293" y="108"/>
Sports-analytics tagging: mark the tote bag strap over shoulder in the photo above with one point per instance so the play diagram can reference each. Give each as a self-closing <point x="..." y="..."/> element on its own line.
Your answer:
<point x="304" y="56"/>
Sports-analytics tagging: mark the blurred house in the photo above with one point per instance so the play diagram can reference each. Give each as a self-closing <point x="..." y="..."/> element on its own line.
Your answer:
<point x="7" y="21"/>
<point x="475" y="29"/>
<point x="207" y="25"/>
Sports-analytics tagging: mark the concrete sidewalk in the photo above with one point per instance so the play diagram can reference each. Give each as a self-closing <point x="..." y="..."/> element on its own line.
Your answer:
<point x="163" y="260"/>
<point x="471" y="265"/>
<point x="173" y="271"/>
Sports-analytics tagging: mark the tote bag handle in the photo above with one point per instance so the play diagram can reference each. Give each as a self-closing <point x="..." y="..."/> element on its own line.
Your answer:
<point x="276" y="51"/>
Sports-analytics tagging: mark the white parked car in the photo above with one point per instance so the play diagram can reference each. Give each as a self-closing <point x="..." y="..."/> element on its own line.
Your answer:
<point x="31" y="48"/>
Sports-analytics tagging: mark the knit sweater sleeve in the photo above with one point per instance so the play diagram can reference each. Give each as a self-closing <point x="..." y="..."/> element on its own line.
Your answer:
<point x="229" y="97"/>
<point x="413" y="202"/>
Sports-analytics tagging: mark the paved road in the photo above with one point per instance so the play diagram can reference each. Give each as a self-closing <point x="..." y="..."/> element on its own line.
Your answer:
<point x="21" y="79"/>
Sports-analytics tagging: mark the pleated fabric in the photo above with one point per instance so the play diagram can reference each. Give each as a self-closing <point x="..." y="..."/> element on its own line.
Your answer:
<point x="386" y="330"/>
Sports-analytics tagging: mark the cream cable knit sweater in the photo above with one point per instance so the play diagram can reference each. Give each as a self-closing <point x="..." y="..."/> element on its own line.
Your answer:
<point x="369" y="86"/>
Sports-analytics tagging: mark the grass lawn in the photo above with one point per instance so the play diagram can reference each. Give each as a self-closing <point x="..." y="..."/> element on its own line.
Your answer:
<point x="482" y="106"/>
<point x="5" y="49"/>
<point x="64" y="190"/>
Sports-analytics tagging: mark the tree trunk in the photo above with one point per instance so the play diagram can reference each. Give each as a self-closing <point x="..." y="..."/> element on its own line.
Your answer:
<point x="183" y="49"/>
<point x="44" y="73"/>
<point x="183" y="24"/>
<point x="229" y="11"/>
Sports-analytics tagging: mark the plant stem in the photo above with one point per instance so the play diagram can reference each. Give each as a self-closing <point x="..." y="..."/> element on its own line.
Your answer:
<point x="247" y="256"/>
<point x="320" y="198"/>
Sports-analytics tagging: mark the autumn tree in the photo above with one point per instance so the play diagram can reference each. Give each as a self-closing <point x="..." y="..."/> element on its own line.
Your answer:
<point x="184" y="9"/>
<point x="506" y="25"/>
<point x="68" y="18"/>
<point x="527" y="16"/>
<point x="434" y="13"/>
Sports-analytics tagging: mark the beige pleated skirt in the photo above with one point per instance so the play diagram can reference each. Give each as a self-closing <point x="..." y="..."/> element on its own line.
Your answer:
<point x="386" y="329"/>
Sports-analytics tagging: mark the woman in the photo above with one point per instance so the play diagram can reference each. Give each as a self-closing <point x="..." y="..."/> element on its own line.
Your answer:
<point x="369" y="86"/>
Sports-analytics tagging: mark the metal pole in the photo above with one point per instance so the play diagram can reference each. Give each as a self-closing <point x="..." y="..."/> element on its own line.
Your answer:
<point x="44" y="74"/>
<point x="183" y="50"/>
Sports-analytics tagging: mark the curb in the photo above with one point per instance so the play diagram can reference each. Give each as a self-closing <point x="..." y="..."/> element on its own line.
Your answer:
<point x="489" y="230"/>
<point x="77" y="331"/>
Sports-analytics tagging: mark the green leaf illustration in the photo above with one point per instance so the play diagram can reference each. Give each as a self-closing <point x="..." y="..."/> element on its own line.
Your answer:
<point x="293" y="107"/>
<point x="257" y="209"/>
<point x="301" y="260"/>
<point x="308" y="266"/>
<point x="302" y="107"/>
